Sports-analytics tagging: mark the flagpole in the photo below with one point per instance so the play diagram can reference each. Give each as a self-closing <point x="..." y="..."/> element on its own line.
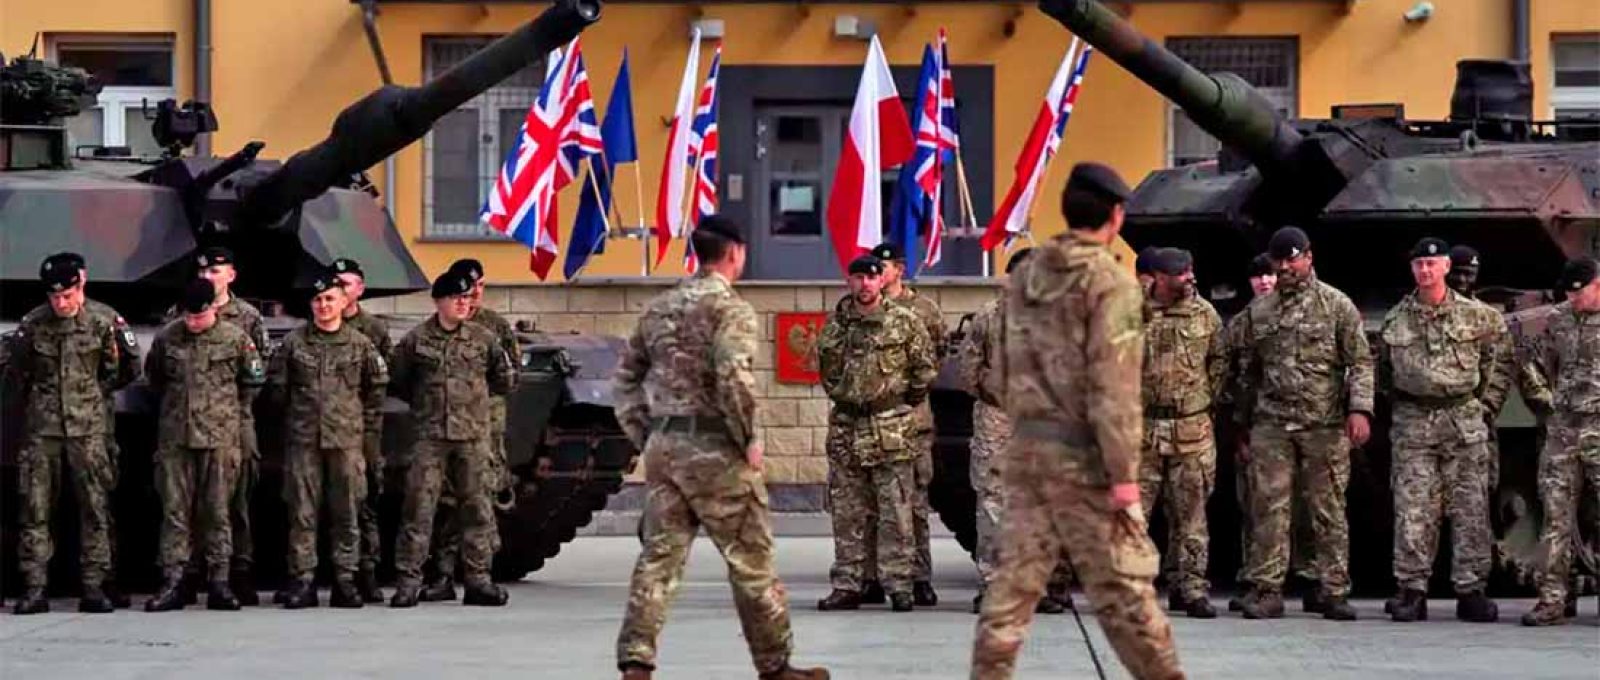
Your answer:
<point x="644" y="232"/>
<point x="968" y="210"/>
<point x="594" y="185"/>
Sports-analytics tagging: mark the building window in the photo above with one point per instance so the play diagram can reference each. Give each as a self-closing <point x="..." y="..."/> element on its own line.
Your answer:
<point x="1268" y="64"/>
<point x="135" y="72"/>
<point x="1576" y="58"/>
<point x="463" y="152"/>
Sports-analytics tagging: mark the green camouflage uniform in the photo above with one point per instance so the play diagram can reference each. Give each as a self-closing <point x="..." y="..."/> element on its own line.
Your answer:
<point x="928" y="312"/>
<point x="1308" y="367"/>
<point x="686" y="397"/>
<point x="877" y="368"/>
<point x="248" y="319"/>
<point x="448" y="378"/>
<point x="377" y="333"/>
<point x="206" y="381"/>
<point x="1184" y="372"/>
<point x="66" y="368"/>
<point x="1074" y="348"/>
<point x="332" y="387"/>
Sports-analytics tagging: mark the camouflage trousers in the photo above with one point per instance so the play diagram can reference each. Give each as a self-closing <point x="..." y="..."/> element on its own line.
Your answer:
<point x="447" y="521"/>
<point x="1302" y="557"/>
<point x="1571" y="459"/>
<point x="1441" y="458"/>
<point x="871" y="511"/>
<point x="367" y="515"/>
<point x="922" y="477"/>
<point x="196" y="486"/>
<point x="114" y="466"/>
<point x="244" y="545"/>
<point x="314" y="479"/>
<point x="1320" y="459"/>
<point x="991" y="433"/>
<point x="1178" y="468"/>
<point x="1057" y="499"/>
<point x="39" y="473"/>
<point x="466" y="464"/>
<point x="694" y="482"/>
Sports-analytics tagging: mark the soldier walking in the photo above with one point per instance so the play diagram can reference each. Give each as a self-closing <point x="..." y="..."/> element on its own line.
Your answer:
<point x="330" y="380"/>
<point x="65" y="360"/>
<point x="354" y="281"/>
<point x="1567" y="365"/>
<point x="686" y="397"/>
<point x="1184" y="373"/>
<point x="877" y="365"/>
<point x="206" y="372"/>
<point x="1309" y="387"/>
<point x="447" y="369"/>
<point x="1074" y="347"/>
<point x="1439" y="359"/>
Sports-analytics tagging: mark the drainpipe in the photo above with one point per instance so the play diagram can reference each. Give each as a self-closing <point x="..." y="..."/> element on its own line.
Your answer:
<point x="369" y="23"/>
<point x="1519" y="30"/>
<point x="202" y="66"/>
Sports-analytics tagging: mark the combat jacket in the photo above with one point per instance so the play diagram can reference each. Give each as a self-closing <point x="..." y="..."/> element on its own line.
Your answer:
<point x="1443" y="355"/>
<point x="1307" y="360"/>
<point x="1185" y="362"/>
<point x="129" y="358"/>
<point x="691" y="354"/>
<point x="374" y="328"/>
<point x="1074" y="352"/>
<point x="982" y="357"/>
<point x="877" y="367"/>
<point x="332" y="387"/>
<point x="206" y="381"/>
<point x="67" y="367"/>
<point x="928" y="312"/>
<point x="503" y="334"/>
<point x="1567" y="362"/>
<point x="247" y="318"/>
<point x="448" y="378"/>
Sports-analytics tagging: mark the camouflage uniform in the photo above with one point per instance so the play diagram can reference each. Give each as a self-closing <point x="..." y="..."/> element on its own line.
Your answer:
<point x="245" y="316"/>
<point x="1566" y="376"/>
<point x="1308" y="365"/>
<point x="66" y="368"/>
<point x="1441" y="366"/>
<point x="448" y="378"/>
<point x="1074" y="349"/>
<point x="130" y="364"/>
<point x="332" y="387"/>
<point x="877" y="368"/>
<point x="1184" y="372"/>
<point x="377" y="333"/>
<point x="928" y="312"/>
<point x="687" y="398"/>
<point x="206" y="381"/>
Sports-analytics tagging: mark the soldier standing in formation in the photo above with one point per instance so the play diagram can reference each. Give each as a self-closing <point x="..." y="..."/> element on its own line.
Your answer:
<point x="354" y="281"/>
<point x="207" y="372"/>
<point x="1074" y="347"/>
<point x="66" y="360"/>
<point x="331" y="382"/>
<point x="877" y="365"/>
<point x="1184" y="372"/>
<point x="447" y="369"/>
<point x="1567" y="369"/>
<point x="1263" y="277"/>
<point x="686" y="397"/>
<point x="1439" y="359"/>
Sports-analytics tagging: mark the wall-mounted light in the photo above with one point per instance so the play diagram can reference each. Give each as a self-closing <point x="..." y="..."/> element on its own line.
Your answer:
<point x="1419" y="12"/>
<point x="710" y="29"/>
<point x="854" y="27"/>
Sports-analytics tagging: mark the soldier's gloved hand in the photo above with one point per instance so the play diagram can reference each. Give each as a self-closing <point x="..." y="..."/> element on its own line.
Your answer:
<point x="753" y="456"/>
<point x="1124" y="496"/>
<point x="1358" y="428"/>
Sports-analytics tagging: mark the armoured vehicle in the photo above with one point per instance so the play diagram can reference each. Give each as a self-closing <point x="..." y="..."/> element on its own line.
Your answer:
<point x="139" y="221"/>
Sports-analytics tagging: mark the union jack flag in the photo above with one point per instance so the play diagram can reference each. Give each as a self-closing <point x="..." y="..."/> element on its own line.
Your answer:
<point x="703" y="143"/>
<point x="560" y="130"/>
<point x="919" y="196"/>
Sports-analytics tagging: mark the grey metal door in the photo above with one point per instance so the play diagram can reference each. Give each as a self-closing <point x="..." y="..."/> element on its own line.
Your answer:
<point x="796" y="150"/>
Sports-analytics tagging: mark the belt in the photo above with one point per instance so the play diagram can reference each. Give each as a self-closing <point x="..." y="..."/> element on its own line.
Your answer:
<point x="1433" y="402"/>
<point x="869" y="409"/>
<point x="1071" y="434"/>
<point x="1169" y="412"/>
<point x="692" y="425"/>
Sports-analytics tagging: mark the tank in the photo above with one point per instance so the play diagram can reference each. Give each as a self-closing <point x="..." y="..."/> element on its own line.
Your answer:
<point x="139" y="221"/>
<point x="1365" y="183"/>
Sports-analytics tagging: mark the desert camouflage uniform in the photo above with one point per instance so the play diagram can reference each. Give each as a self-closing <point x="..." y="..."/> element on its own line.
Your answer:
<point x="1566" y="376"/>
<point x="928" y="312"/>
<point x="1308" y="366"/>
<point x="248" y="319"/>
<point x="877" y="368"/>
<point x="1184" y="372"/>
<point x="66" y="369"/>
<point x="332" y="387"/>
<point x="448" y="378"/>
<point x="377" y="333"/>
<point x="206" y="381"/>
<point x="1074" y="349"/>
<point x="686" y="397"/>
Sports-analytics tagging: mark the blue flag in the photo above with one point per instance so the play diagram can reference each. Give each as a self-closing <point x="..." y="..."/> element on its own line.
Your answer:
<point x="616" y="133"/>
<point x="915" y="193"/>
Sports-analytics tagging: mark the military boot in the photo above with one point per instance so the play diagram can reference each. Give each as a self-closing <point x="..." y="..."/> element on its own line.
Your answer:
<point x="872" y="592"/>
<point x="484" y="593"/>
<point x="32" y="602"/>
<point x="220" y="597"/>
<point x="636" y="672"/>
<point x="243" y="584"/>
<point x="1199" y="608"/>
<point x="168" y="598"/>
<point x="1571" y="610"/>
<point x="345" y="595"/>
<point x="1474" y="607"/>
<point x="1048" y="605"/>
<point x="1546" y="614"/>
<point x="901" y="602"/>
<point x="791" y="673"/>
<point x="1388" y="605"/>
<point x="115" y="595"/>
<point x="1410" y="605"/>
<point x="922" y="594"/>
<point x="94" y="600"/>
<point x="1314" y="602"/>
<point x="405" y="596"/>
<point x="442" y="589"/>
<point x="301" y="595"/>
<point x="282" y="594"/>
<point x="1337" y="608"/>
<point x="367" y="584"/>
<point x="1236" y="603"/>
<point x="1263" y="604"/>
<point x="840" y="600"/>
<point x="190" y="590"/>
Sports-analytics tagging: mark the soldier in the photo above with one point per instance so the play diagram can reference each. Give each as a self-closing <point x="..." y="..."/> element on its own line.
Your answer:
<point x="1263" y="277"/>
<point x="877" y="365"/>
<point x="206" y="371"/>
<point x="355" y="284"/>
<point x="447" y="369"/>
<point x="686" y="397"/>
<point x="1074" y="348"/>
<point x="330" y="380"/>
<point x="895" y="290"/>
<point x="65" y="360"/>
<point x="1185" y="370"/>
<point x="1439" y="357"/>
<point x="1308" y="385"/>
<point x="1567" y="366"/>
<point x="1144" y="268"/>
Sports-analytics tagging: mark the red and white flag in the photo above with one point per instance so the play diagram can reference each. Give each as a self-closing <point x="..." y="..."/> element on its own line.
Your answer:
<point x="675" y="167"/>
<point x="880" y="138"/>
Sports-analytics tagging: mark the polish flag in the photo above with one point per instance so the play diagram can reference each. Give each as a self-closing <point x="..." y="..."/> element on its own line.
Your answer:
<point x="674" y="172"/>
<point x="880" y="138"/>
<point x="1011" y="219"/>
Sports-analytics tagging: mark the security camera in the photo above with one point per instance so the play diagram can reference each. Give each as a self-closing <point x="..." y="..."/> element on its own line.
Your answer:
<point x="1419" y="12"/>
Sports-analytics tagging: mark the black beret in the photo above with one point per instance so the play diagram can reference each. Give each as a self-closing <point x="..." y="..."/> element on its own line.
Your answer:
<point x="1146" y="260"/>
<point x="1261" y="265"/>
<point x="1463" y="256"/>
<point x="1098" y="178"/>
<point x="721" y="226"/>
<point x="67" y="260"/>
<point x="1288" y="243"/>
<point x="198" y="295"/>
<point x="472" y="268"/>
<point x="345" y="265"/>
<point x="324" y="281"/>
<point x="1018" y="258"/>
<point x="58" y="276"/>
<point x="866" y="264"/>
<point x="215" y="255"/>
<point x="452" y="283"/>
<point x="1578" y="273"/>
<point x="1172" y="261"/>
<point x="889" y="252"/>
<point x="1430" y="247"/>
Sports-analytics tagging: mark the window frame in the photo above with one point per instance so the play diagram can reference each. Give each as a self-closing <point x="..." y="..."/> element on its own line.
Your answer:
<point x="1285" y="99"/>
<point x="1571" y="97"/>
<point x="116" y="101"/>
